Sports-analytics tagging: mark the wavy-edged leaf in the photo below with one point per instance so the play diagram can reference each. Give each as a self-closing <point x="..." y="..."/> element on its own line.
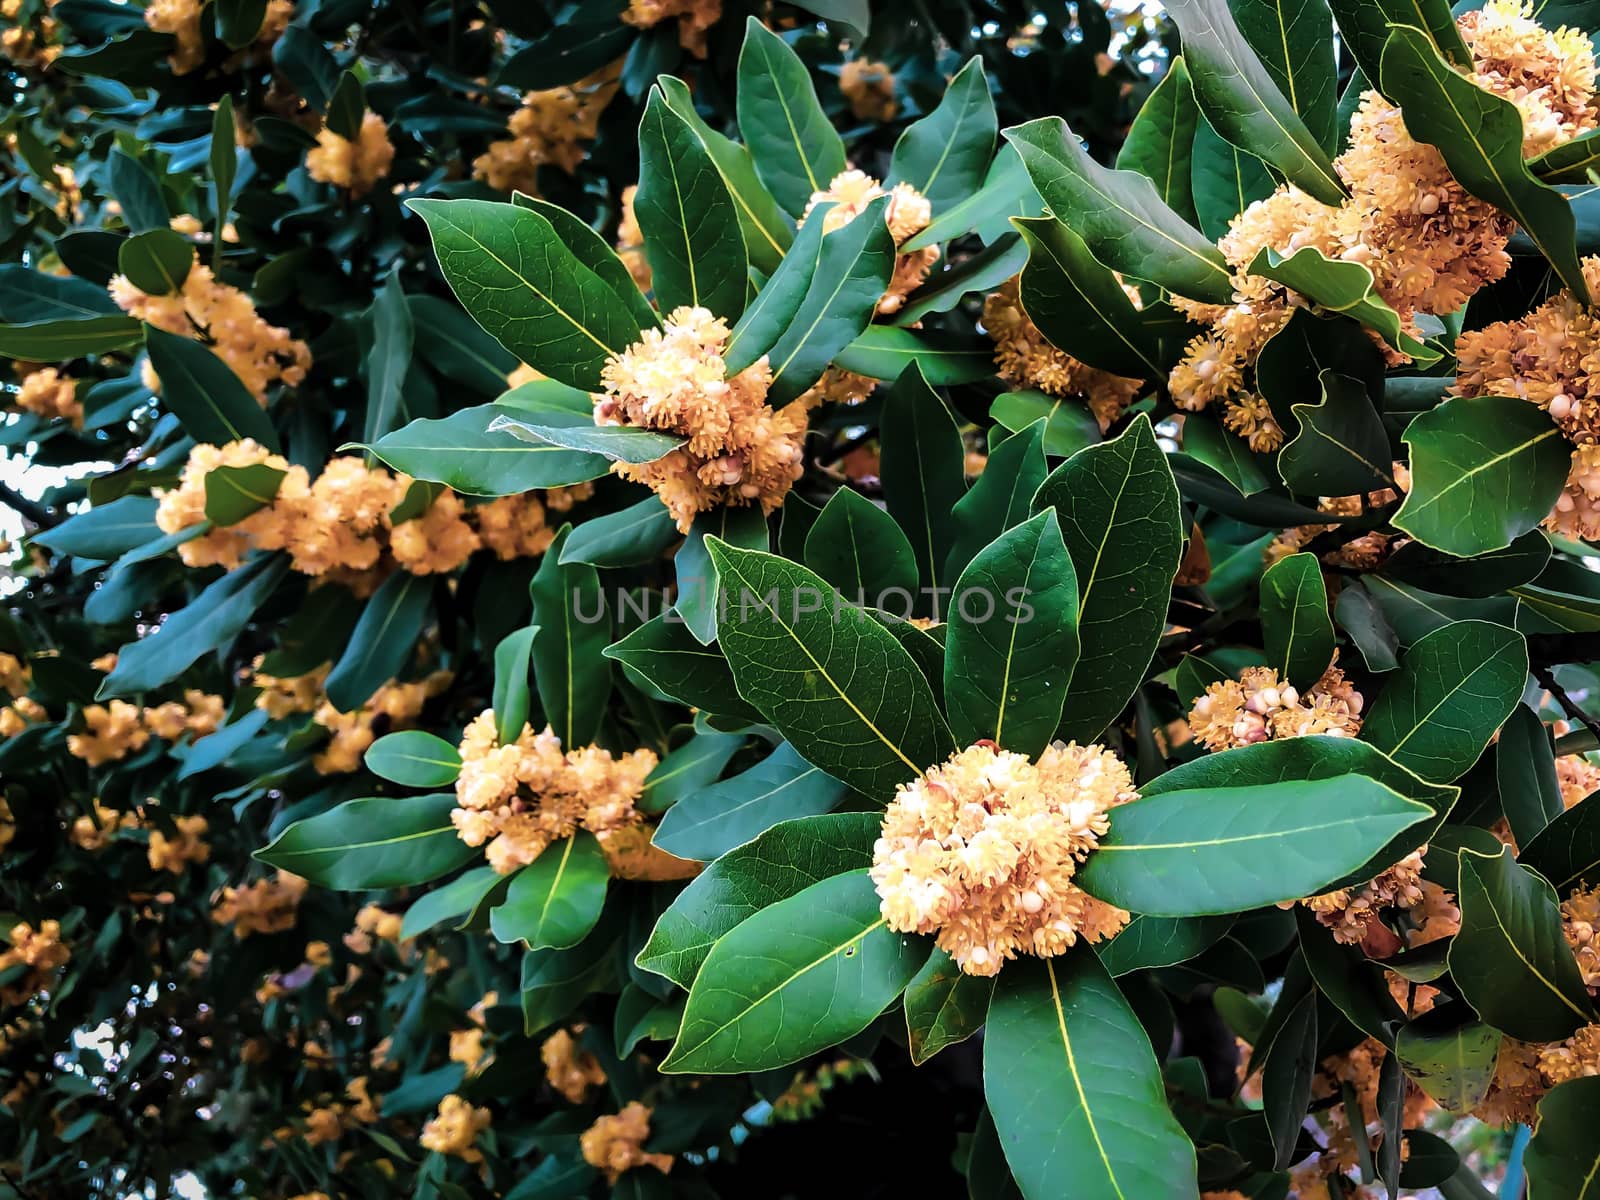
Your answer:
<point x="792" y="143"/>
<point x="1294" y="619"/>
<point x="1294" y="41"/>
<point x="1365" y="25"/>
<point x="413" y="758"/>
<point x="944" y="1005"/>
<point x="377" y="843"/>
<point x="554" y="901"/>
<point x="1570" y="162"/>
<point x="945" y="154"/>
<point x="1341" y="447"/>
<point x="1342" y="287"/>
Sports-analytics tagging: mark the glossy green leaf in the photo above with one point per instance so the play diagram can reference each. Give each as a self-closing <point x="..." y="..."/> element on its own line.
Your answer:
<point x="1510" y="960"/>
<point x="1484" y="471"/>
<point x="944" y="1005"/>
<point x="1365" y="25"/>
<point x="1294" y="619"/>
<point x="1480" y="576"/>
<point x="1006" y="192"/>
<point x="1226" y="180"/>
<point x="156" y="262"/>
<point x="1119" y="216"/>
<point x="595" y="252"/>
<point x="377" y="843"/>
<point x="616" y="443"/>
<point x="688" y="218"/>
<point x="828" y="677"/>
<point x="1294" y="41"/>
<point x="1121" y="520"/>
<point x="946" y="154"/>
<point x="1570" y="162"/>
<point x="1363" y="621"/>
<point x="572" y="676"/>
<point x="1160" y="141"/>
<point x="792" y="143"/>
<point x="1454" y="688"/>
<point x="1074" y="1088"/>
<point x="388" y="360"/>
<point x="922" y="462"/>
<point x="857" y="547"/>
<point x="383" y="640"/>
<point x="462" y="452"/>
<point x="413" y="758"/>
<point x="1208" y="442"/>
<point x="1067" y="425"/>
<point x="697" y="601"/>
<point x="233" y="493"/>
<point x="671" y="660"/>
<point x="513" y="693"/>
<point x="224" y="163"/>
<point x="1567" y="850"/>
<point x="782" y="862"/>
<point x="450" y="901"/>
<point x="1480" y="136"/>
<point x="1563" y="1159"/>
<point x="1149" y="942"/>
<point x="105" y="531"/>
<point x="688" y="770"/>
<point x="769" y="316"/>
<point x="641" y="533"/>
<point x="555" y="900"/>
<point x="1449" y="1055"/>
<point x="1342" y="287"/>
<point x="1355" y="985"/>
<point x="1013" y="639"/>
<point x="512" y="273"/>
<point x="999" y="499"/>
<point x="1525" y="774"/>
<point x="885" y="351"/>
<point x="1289" y="1066"/>
<point x="203" y="392"/>
<point x="799" y="976"/>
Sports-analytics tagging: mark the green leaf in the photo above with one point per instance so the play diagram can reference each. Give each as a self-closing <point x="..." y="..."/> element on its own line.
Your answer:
<point x="1226" y="180"/>
<point x="569" y="667"/>
<point x="697" y="575"/>
<point x="105" y="531"/>
<point x="513" y="696"/>
<point x="1484" y="471"/>
<point x="595" y="253"/>
<point x="204" y="394"/>
<point x="461" y="452"/>
<point x="792" y="143"/>
<point x="782" y="862"/>
<point x="1454" y="688"/>
<point x="1239" y="98"/>
<point x="1080" y="306"/>
<point x="156" y="262"/>
<point x="1479" y="135"/>
<point x="555" y="900"/>
<point x="1365" y="26"/>
<point x="853" y="268"/>
<point x="1570" y="162"/>
<point x="1122" y="523"/>
<point x="768" y="230"/>
<point x="346" y="106"/>
<point x="1525" y="774"/>
<point x="213" y="618"/>
<point x="388" y="359"/>
<point x="1354" y="984"/>
<point x="1567" y="850"/>
<point x="555" y="981"/>
<point x="770" y="315"/>
<point x="1147" y="942"/>
<point x="663" y="654"/>
<point x="946" y="154"/>
<point x="1510" y="960"/>
<point x="224" y="162"/>
<point x="885" y="351"/>
<point x="1294" y="41"/>
<point x="1006" y="192"/>
<point x="923" y="468"/>
<point x="1563" y="1159"/>
<point x="979" y="273"/>
<point x="1206" y="441"/>
<point x="1289" y="1065"/>
<point x="616" y="443"/>
<point x="1481" y="576"/>
<point x="857" y="547"/>
<point x="1359" y="615"/>
<point x="137" y="191"/>
<point x="34" y="296"/>
<point x="376" y="843"/>
<point x="1294" y="619"/>
<point x="1013" y="639"/>
<point x="629" y="537"/>
<point x="783" y="786"/>
<point x="1074" y="1088"/>
<point x="384" y="638"/>
<point x="1342" y="287"/>
<point x="1450" y="1056"/>
<point x="233" y="493"/>
<point x="832" y="680"/>
<point x="688" y="769"/>
<point x="999" y="499"/>
<point x="414" y="758"/>
<point x="1342" y="447"/>
<point x="239" y="21"/>
<point x="795" y="978"/>
<point x="1160" y="141"/>
<point x="1119" y="216"/>
<point x="453" y="900"/>
<point x="512" y="273"/>
<point x="944" y="1005"/>
<point x="688" y="219"/>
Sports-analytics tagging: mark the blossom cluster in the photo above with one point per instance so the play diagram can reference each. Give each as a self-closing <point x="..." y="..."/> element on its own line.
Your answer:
<point x="615" y="1143"/>
<point x="1259" y="706"/>
<point x="674" y="380"/>
<point x="982" y="849"/>
<point x="40" y="952"/>
<point x="695" y="19"/>
<point x="907" y="214"/>
<point x="49" y="393"/>
<point x="268" y="905"/>
<point x="570" y="1069"/>
<point x="183" y="18"/>
<point x="115" y="730"/>
<point x="549" y="128"/>
<point x="869" y="87"/>
<point x="355" y="164"/>
<point x="1361" y="553"/>
<point x="455" y="1129"/>
<point x="396" y="704"/>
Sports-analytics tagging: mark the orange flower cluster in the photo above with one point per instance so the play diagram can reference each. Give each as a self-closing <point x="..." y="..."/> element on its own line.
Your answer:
<point x="982" y="850"/>
<point x="1578" y="778"/>
<point x="113" y="731"/>
<point x="548" y="129"/>
<point x="182" y="19"/>
<point x="522" y="796"/>
<point x="373" y="925"/>
<point x="695" y="19"/>
<point x="397" y="704"/>
<point x="1428" y="244"/>
<point x="48" y="393"/>
<point x="907" y="215"/>
<point x="869" y="87"/>
<point x="357" y="164"/>
<point x="265" y="906"/>
<point x="186" y="845"/>
<point x="341" y="525"/>
<point x="19" y="714"/>
<point x="27" y="46"/>
<point x="455" y="1129"/>
<point x="1580" y="922"/>
<point x="1361" y="553"/>
<point x="1350" y="912"/>
<point x="570" y="1068"/>
<point x="41" y="951"/>
<point x="1359" y="1067"/>
<point x="615" y="1144"/>
<point x="674" y="380"/>
<point x="225" y="319"/>
<point x="1259" y="706"/>
<point x="1024" y="359"/>
<point x="94" y="830"/>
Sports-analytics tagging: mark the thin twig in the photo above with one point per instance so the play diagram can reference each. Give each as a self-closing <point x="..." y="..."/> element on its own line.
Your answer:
<point x="1547" y="680"/>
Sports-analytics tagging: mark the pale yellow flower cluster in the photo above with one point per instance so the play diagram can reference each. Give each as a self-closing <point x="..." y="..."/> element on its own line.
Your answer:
<point x="373" y="925"/>
<point x="265" y="906"/>
<point x="522" y="796"/>
<point x="93" y="831"/>
<point x="186" y="845"/>
<point x="24" y="45"/>
<point x="549" y="129"/>
<point x="695" y="18"/>
<point x="869" y="87"/>
<point x="1578" y="778"/>
<point x="615" y="1143"/>
<point x="1258" y="706"/>
<point x="630" y="241"/>
<point x="1361" y="553"/>
<point x="1525" y="1071"/>
<point x="981" y="850"/>
<point x="1435" y="918"/>
<point x="8" y="824"/>
<point x="41" y="951"/>
<point x="113" y="731"/>
<point x="1580" y="922"/>
<point x="355" y="165"/>
<point x="340" y="525"/>
<point x="1025" y="359"/>
<point x="1428" y="243"/>
<point x="1359" y="1067"/>
<point x="455" y="1129"/>
<point x="19" y="714"/>
<point x="15" y="675"/>
<point x="674" y="380"/>
<point x="1350" y="912"/>
<point x="397" y="704"/>
<point x="48" y="393"/>
<point x="570" y="1068"/>
<point x="1551" y="358"/>
<point x="182" y="19"/>
<point x="225" y="320"/>
<point x="907" y="215"/>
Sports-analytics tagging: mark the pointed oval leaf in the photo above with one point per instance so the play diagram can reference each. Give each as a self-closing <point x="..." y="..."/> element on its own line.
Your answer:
<point x="1563" y="1158"/>
<point x="383" y="640"/>
<point x="414" y="759"/>
<point x="573" y="629"/>
<point x="1295" y="621"/>
<point x="461" y="452"/>
<point x="1341" y="448"/>
<point x="555" y="900"/>
<point x="202" y="391"/>
<point x="1294" y="41"/>
<point x="923" y="468"/>
<point x="1450" y="1056"/>
<point x="857" y="547"/>
<point x="944" y="1005"/>
<point x="671" y="661"/>
<point x="945" y="154"/>
<point x="377" y="843"/>
<point x="999" y="500"/>
<point x="1160" y="143"/>
<point x="792" y="143"/>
